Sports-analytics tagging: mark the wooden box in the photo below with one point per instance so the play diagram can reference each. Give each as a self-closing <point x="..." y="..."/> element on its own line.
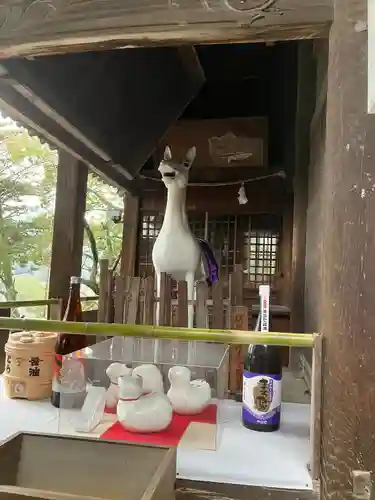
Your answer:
<point x="58" y="467"/>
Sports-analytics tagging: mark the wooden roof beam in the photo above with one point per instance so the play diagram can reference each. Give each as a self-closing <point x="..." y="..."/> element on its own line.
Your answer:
<point x="111" y="119"/>
<point x="53" y="26"/>
<point x="21" y="109"/>
<point x="164" y="81"/>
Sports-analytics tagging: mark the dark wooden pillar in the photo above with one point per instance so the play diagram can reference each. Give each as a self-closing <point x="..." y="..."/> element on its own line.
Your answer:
<point x="305" y="106"/>
<point x="286" y="253"/>
<point x="4" y="334"/>
<point x="130" y="236"/>
<point x="68" y="224"/>
<point x="347" y="309"/>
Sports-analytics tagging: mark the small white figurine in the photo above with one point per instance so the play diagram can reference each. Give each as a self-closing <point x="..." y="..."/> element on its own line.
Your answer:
<point x="114" y="371"/>
<point x="187" y="397"/>
<point x="137" y="413"/>
<point x="152" y="380"/>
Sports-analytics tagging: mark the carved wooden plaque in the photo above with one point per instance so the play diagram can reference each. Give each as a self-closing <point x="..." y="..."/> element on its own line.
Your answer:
<point x="233" y="142"/>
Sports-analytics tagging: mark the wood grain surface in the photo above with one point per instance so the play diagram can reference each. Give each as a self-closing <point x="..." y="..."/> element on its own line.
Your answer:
<point x="342" y="278"/>
<point x="35" y="26"/>
<point x="196" y="490"/>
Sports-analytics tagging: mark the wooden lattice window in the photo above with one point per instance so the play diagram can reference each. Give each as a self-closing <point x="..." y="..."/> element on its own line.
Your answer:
<point x="197" y="223"/>
<point x="236" y="239"/>
<point x="262" y="246"/>
<point x="150" y="226"/>
<point x="221" y="231"/>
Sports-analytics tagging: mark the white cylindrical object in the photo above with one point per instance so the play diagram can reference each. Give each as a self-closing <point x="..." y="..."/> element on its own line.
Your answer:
<point x="264" y="293"/>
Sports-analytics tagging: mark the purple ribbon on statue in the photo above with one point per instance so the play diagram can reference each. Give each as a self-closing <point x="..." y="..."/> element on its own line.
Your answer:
<point x="211" y="265"/>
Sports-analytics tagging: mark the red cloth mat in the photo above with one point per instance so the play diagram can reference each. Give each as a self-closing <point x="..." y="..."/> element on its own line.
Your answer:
<point x="169" y="437"/>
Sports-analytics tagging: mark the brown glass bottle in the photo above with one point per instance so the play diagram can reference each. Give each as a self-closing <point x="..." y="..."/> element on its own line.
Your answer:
<point x="69" y="380"/>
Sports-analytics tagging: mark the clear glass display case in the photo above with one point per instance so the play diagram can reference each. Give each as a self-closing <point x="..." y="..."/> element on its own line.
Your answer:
<point x="83" y="414"/>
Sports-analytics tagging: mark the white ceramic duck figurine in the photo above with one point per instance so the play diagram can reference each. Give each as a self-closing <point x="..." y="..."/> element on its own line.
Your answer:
<point x="187" y="397"/>
<point x="113" y="372"/>
<point x="137" y="413"/>
<point x="152" y="380"/>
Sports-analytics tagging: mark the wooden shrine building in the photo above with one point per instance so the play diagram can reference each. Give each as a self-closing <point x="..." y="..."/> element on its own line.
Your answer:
<point x="111" y="83"/>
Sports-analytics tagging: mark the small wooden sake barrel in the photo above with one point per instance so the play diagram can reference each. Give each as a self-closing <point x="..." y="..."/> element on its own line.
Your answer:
<point x="29" y="365"/>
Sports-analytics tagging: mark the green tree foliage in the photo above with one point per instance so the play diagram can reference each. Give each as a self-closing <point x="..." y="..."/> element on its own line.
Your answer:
<point x="102" y="203"/>
<point x="25" y="227"/>
<point x="28" y="171"/>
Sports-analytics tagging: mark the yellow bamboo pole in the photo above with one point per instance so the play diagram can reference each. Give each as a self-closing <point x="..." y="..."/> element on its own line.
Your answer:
<point x="36" y="303"/>
<point x="159" y="332"/>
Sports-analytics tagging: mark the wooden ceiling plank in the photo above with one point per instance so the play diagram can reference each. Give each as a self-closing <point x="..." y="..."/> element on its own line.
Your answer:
<point x="59" y="26"/>
<point x="163" y="83"/>
<point x="147" y="86"/>
<point x="23" y="111"/>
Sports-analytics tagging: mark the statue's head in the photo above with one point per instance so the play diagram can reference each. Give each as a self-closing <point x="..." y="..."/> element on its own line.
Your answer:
<point x="174" y="172"/>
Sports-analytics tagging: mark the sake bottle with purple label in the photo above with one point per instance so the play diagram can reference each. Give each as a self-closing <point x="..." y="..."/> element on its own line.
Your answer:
<point x="261" y="398"/>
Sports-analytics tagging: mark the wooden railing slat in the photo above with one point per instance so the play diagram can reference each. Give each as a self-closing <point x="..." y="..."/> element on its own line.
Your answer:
<point x="217" y="305"/>
<point x="201" y="307"/>
<point x="182" y="304"/>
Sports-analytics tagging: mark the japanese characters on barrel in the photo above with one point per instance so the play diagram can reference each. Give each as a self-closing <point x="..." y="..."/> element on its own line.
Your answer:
<point x="29" y="365"/>
<point x="34" y="367"/>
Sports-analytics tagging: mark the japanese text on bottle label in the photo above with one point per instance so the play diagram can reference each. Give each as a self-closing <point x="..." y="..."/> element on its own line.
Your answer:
<point x="261" y="398"/>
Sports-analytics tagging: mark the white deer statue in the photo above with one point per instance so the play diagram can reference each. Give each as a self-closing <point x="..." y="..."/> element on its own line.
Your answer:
<point x="177" y="251"/>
